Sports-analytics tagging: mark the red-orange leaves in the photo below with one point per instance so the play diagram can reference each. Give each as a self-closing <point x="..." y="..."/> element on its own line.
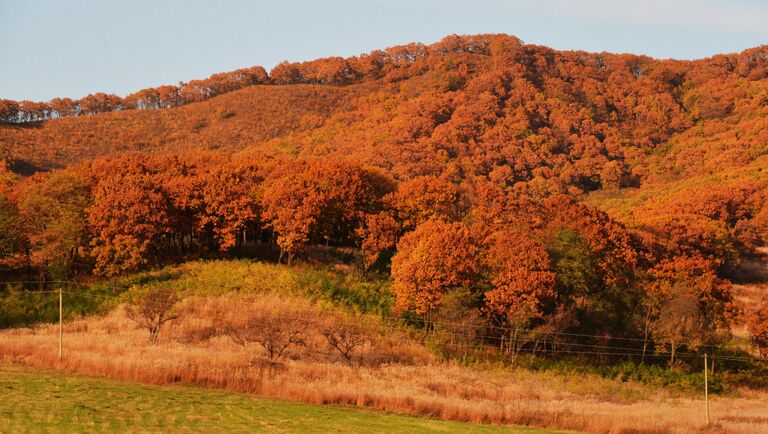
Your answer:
<point x="323" y="201"/>
<point x="227" y="204"/>
<point x="520" y="275"/>
<point x="698" y="277"/>
<point x="427" y="198"/>
<point x="118" y="254"/>
<point x="378" y="233"/>
<point x="99" y="103"/>
<point x="129" y="217"/>
<point x="291" y="207"/>
<point x="694" y="235"/>
<point x="9" y="110"/>
<point x="432" y="260"/>
<point x="758" y="328"/>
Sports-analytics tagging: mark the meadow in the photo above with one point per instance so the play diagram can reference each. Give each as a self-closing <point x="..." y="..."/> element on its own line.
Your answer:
<point x="393" y="370"/>
<point x="48" y="401"/>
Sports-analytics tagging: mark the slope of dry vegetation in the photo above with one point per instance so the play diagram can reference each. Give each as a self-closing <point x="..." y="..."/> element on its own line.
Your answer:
<point x="389" y="370"/>
<point x="230" y="122"/>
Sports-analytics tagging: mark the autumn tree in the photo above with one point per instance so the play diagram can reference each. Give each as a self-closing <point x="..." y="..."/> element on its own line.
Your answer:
<point x="31" y="111"/>
<point x="613" y="175"/>
<point x="687" y="303"/>
<point x="64" y="107"/>
<point x="321" y="202"/>
<point x="291" y="207"/>
<point x="758" y="328"/>
<point x="379" y="233"/>
<point x="426" y="198"/>
<point x="350" y="192"/>
<point x="695" y="235"/>
<point x="11" y="233"/>
<point x="99" y="103"/>
<point x="522" y="282"/>
<point x="226" y="204"/>
<point x="52" y="209"/>
<point x="129" y="217"/>
<point x="433" y="259"/>
<point x="616" y="253"/>
<point x="9" y="110"/>
<point x="752" y="232"/>
<point x="286" y="73"/>
<point x="679" y="321"/>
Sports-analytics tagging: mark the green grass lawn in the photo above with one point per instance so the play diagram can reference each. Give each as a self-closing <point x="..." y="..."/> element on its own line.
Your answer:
<point x="49" y="401"/>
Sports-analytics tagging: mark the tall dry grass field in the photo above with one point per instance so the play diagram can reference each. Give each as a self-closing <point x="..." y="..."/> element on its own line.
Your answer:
<point x="389" y="371"/>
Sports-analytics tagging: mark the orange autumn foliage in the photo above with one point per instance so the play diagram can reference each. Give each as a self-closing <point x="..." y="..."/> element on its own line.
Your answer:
<point x="379" y="233"/>
<point x="432" y="260"/>
<point x="522" y="281"/>
<point x="758" y="328"/>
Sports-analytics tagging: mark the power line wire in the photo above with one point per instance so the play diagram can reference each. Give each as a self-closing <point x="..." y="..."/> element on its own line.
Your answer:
<point x="604" y="349"/>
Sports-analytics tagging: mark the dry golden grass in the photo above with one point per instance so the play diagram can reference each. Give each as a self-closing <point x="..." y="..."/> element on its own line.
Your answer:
<point x="397" y="374"/>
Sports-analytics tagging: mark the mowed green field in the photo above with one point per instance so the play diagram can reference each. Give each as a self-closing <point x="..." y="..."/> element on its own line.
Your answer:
<point x="48" y="401"/>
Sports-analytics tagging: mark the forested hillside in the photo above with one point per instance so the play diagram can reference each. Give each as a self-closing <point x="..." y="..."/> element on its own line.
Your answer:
<point x="568" y="192"/>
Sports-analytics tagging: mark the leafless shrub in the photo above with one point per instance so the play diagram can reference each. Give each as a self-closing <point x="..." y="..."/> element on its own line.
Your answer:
<point x="153" y="309"/>
<point x="275" y="335"/>
<point x="345" y="338"/>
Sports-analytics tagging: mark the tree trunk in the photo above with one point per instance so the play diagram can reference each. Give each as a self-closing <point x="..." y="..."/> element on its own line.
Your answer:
<point x="645" y="335"/>
<point x="672" y="353"/>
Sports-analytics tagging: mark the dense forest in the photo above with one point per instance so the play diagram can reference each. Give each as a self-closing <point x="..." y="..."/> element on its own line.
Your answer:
<point x="567" y="192"/>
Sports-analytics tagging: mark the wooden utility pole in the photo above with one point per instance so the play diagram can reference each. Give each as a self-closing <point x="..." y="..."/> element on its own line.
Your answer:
<point x="706" y="387"/>
<point x="61" y="324"/>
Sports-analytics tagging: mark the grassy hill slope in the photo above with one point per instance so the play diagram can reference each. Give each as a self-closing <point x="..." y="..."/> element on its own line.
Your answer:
<point x="43" y="401"/>
<point x="397" y="368"/>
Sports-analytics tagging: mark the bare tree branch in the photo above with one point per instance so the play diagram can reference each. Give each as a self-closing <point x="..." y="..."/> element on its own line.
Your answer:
<point x="152" y="310"/>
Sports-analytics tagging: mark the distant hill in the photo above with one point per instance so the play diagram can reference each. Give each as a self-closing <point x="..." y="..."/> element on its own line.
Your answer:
<point x="486" y="102"/>
<point x="229" y="122"/>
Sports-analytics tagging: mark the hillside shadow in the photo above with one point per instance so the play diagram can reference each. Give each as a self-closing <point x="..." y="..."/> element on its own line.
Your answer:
<point x="753" y="268"/>
<point x="23" y="125"/>
<point x="25" y="168"/>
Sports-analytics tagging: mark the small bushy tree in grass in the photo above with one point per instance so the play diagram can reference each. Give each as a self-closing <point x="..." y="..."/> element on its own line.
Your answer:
<point x="274" y="334"/>
<point x="153" y="310"/>
<point x="345" y="338"/>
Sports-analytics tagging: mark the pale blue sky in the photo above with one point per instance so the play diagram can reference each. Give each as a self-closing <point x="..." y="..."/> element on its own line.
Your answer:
<point x="72" y="48"/>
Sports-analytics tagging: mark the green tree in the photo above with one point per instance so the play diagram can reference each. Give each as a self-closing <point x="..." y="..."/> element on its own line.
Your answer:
<point x="52" y="210"/>
<point x="575" y="271"/>
<point x="11" y="235"/>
